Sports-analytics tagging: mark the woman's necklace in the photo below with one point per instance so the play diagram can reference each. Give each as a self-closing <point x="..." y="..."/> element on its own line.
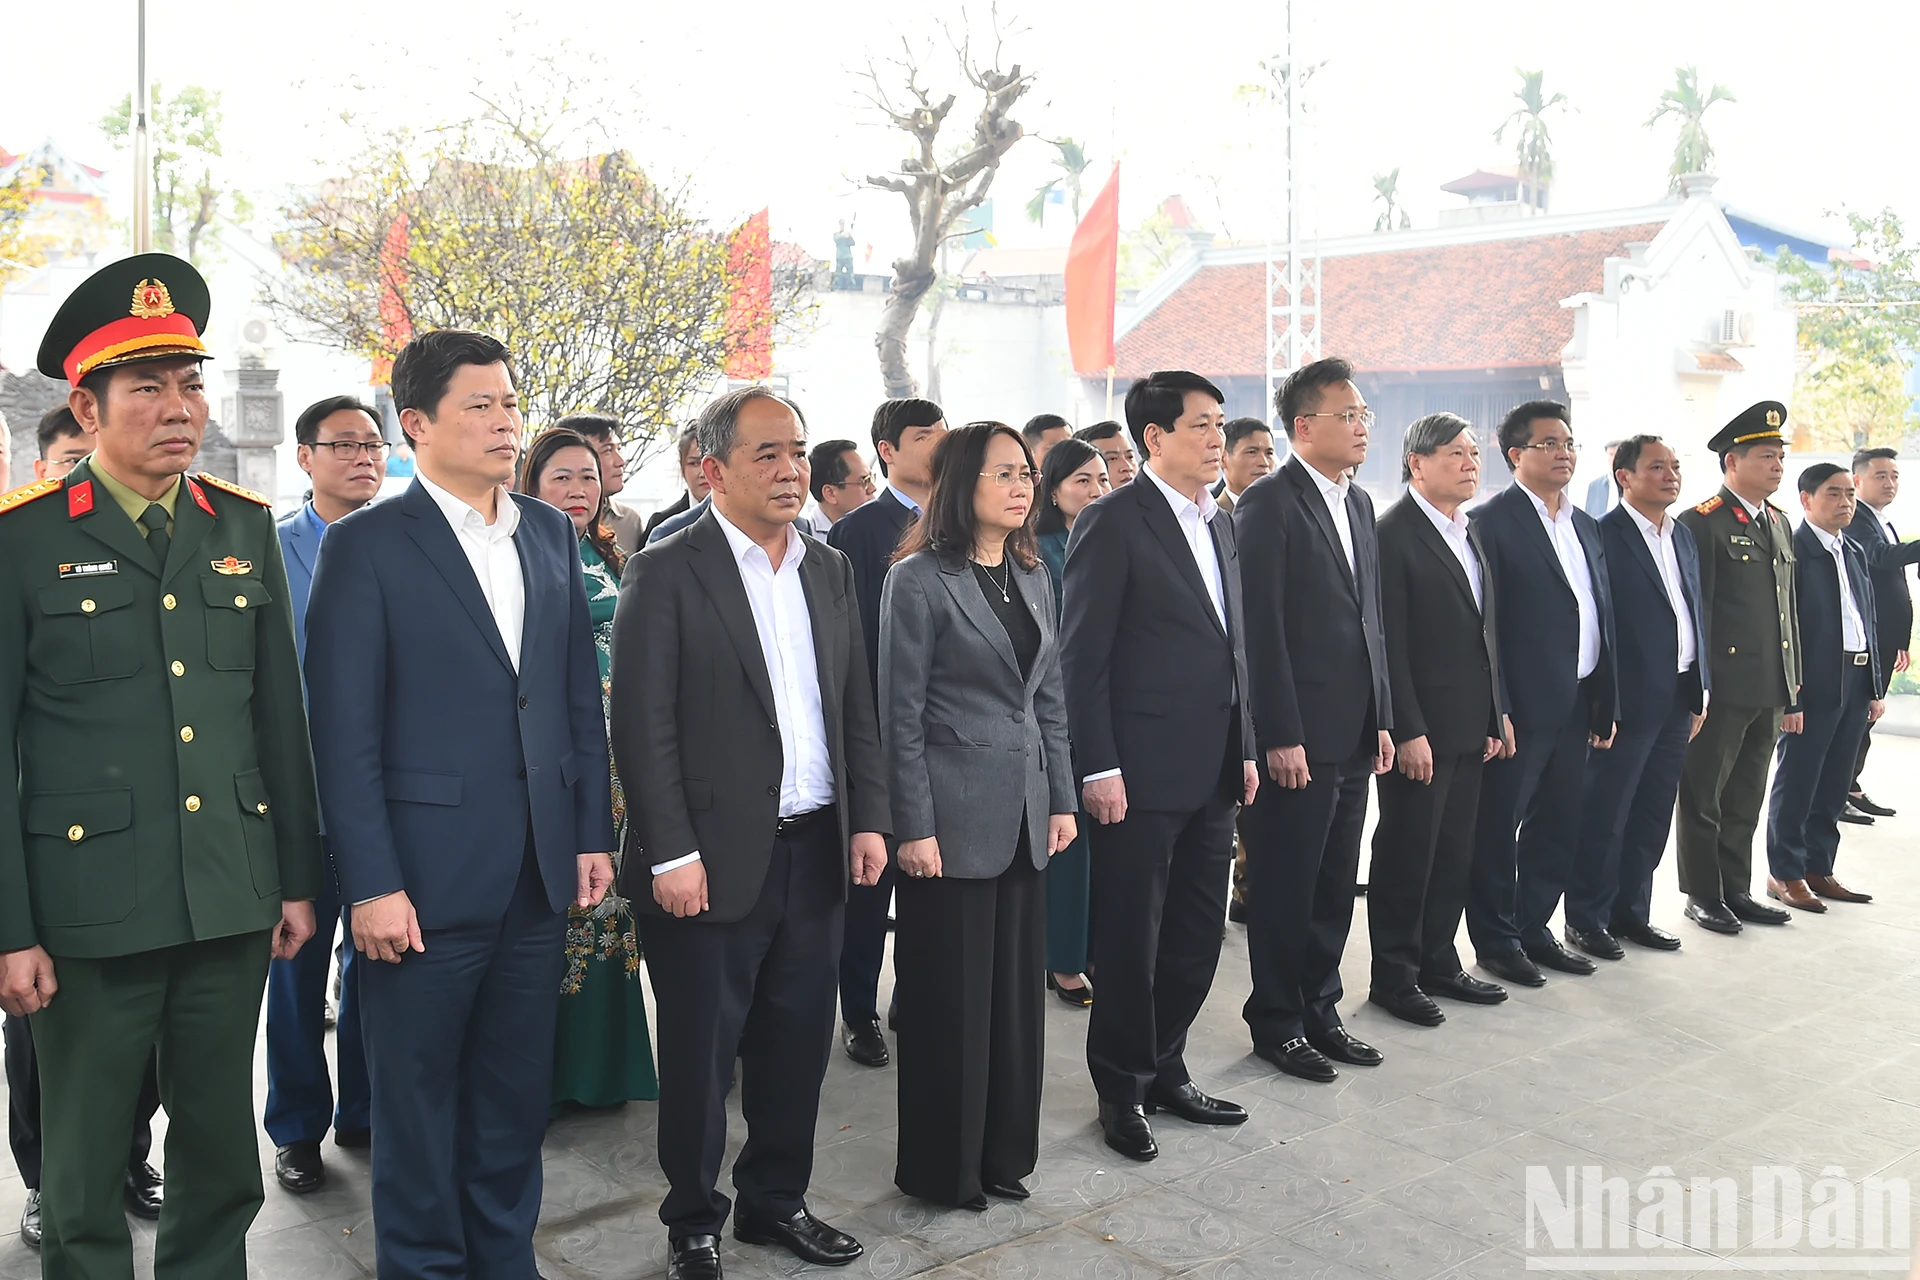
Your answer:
<point x="1006" y="591"/>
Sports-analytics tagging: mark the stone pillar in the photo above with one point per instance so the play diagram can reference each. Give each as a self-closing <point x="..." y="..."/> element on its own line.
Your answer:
<point x="255" y="416"/>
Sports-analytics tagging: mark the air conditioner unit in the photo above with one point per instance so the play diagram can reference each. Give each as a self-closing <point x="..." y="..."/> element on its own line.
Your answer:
<point x="1736" y="327"/>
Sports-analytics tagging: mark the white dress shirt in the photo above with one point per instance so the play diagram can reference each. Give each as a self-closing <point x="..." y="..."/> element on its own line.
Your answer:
<point x="1886" y="525"/>
<point x="1335" y="496"/>
<point x="1659" y="539"/>
<point x="496" y="561"/>
<point x="1853" y="629"/>
<point x="1573" y="562"/>
<point x="785" y="625"/>
<point x="1454" y="530"/>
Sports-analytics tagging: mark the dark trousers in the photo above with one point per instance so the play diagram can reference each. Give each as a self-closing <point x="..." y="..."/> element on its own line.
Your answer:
<point x="459" y="1039"/>
<point x="1810" y="778"/>
<point x="1628" y="815"/>
<point x="1068" y="909"/>
<point x="1422" y="866"/>
<point x="969" y="956"/>
<point x="194" y="1011"/>
<point x="1159" y="914"/>
<point x="761" y="989"/>
<point x="1303" y="859"/>
<point x="864" y="947"/>
<point x="23" y="1104"/>
<point x="1722" y="786"/>
<point x="1860" y="762"/>
<point x="1525" y="834"/>
<point x="300" y="1100"/>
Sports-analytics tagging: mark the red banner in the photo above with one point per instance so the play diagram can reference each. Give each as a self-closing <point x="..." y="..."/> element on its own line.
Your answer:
<point x="396" y="326"/>
<point x="750" y="301"/>
<point x="1093" y="260"/>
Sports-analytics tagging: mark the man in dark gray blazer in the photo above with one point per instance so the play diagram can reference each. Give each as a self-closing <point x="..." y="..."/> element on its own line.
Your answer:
<point x="744" y="730"/>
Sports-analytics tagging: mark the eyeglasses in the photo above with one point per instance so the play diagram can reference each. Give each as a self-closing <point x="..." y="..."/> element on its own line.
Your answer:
<point x="63" y="465"/>
<point x="866" y="482"/>
<point x="1352" y="417"/>
<point x="1567" y="447"/>
<point x="1005" y="477"/>
<point x="374" y="449"/>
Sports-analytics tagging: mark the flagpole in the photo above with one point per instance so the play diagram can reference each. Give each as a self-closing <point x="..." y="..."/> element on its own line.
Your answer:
<point x="142" y="192"/>
<point x="1109" y="393"/>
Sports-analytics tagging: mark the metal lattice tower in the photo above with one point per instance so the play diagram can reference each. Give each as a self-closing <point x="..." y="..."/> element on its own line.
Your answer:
<point x="1293" y="261"/>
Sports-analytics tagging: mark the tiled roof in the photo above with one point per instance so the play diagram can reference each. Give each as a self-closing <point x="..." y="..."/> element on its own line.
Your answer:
<point x="1488" y="305"/>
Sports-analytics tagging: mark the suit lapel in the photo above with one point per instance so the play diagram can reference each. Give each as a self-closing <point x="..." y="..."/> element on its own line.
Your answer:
<point x="1642" y="554"/>
<point x="964" y="587"/>
<point x="1436" y="545"/>
<point x="1317" y="508"/>
<point x="435" y="538"/>
<point x="109" y="524"/>
<point x="191" y="525"/>
<point x="1166" y="527"/>
<point x="304" y="545"/>
<point x="1536" y="533"/>
<point x="719" y="574"/>
<point x="546" y="586"/>
<point x="816" y="583"/>
<point x="1037" y="589"/>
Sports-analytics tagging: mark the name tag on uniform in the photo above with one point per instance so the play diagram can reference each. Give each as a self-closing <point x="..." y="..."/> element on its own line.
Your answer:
<point x="1739" y="540"/>
<point x="91" y="569"/>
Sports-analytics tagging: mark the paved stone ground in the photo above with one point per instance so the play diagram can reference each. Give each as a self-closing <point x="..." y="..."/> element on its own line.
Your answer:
<point x="1797" y="1046"/>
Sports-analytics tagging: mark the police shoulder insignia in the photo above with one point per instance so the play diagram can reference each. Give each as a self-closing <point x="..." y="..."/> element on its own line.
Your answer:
<point x="229" y="486"/>
<point x="27" y="493"/>
<point x="1710" y="506"/>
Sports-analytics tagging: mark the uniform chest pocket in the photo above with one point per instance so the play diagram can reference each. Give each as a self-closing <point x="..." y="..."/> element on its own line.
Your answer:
<point x="87" y="630"/>
<point x="232" y="604"/>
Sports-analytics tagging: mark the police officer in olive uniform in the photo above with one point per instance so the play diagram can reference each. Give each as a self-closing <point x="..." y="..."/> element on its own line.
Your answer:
<point x="162" y="841"/>
<point x="1753" y="643"/>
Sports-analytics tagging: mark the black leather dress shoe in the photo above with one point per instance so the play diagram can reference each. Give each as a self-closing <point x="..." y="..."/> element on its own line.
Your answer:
<point x="1342" y="1046"/>
<point x="1646" y="935"/>
<point x="1464" y="987"/>
<point x="1127" y="1131"/>
<point x="866" y="1045"/>
<point x="1596" y="942"/>
<point x="1554" y="956"/>
<point x="694" y="1258"/>
<point x="1745" y="908"/>
<point x="1864" y="803"/>
<point x="1195" y="1107"/>
<point x="802" y="1235"/>
<point x="1857" y="816"/>
<point x="297" y="1166"/>
<point x="1711" y="913"/>
<point x="144" y="1196"/>
<point x="1514" y="967"/>
<point x="1008" y="1190"/>
<point x="353" y="1139"/>
<point x="1411" y="1005"/>
<point x="1299" y="1058"/>
<point x="30" y="1222"/>
<point x="1237" y="911"/>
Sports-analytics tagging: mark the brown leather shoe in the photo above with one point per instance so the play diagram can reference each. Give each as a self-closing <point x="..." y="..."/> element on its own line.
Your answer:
<point x="1828" y="887"/>
<point x="1794" y="893"/>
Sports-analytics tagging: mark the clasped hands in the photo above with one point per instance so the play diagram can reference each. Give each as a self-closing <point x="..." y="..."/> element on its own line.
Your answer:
<point x="386" y="928"/>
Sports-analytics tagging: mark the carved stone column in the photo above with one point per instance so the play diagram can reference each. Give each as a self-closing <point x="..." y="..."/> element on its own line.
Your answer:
<point x="255" y="416"/>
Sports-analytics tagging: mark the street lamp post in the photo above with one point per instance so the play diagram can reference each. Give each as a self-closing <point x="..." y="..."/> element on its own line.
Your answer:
<point x="142" y="181"/>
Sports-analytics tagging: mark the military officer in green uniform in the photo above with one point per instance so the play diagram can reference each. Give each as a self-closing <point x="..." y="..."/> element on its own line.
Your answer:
<point x="1753" y="643"/>
<point x="162" y="841"/>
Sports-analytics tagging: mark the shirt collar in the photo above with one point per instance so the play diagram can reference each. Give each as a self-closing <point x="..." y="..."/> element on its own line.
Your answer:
<point x="1831" y="541"/>
<point x="1753" y="508"/>
<point x="1180" y="502"/>
<point x="741" y="544"/>
<point x="1540" y="505"/>
<point x="314" y="521"/>
<point x="459" y="511"/>
<point x="1327" y="487"/>
<point x="130" y="502"/>
<point x="900" y="496"/>
<point x="1646" y="526"/>
<point x="1456" y="523"/>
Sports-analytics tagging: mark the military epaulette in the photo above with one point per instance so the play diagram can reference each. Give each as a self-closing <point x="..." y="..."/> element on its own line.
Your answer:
<point x="229" y="486"/>
<point x="28" y="492"/>
<point x="1710" y="506"/>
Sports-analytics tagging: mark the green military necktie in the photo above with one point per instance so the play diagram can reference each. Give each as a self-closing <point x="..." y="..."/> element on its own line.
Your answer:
<point x="155" y="518"/>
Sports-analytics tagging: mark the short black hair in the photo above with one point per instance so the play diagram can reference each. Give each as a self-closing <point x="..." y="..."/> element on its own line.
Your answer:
<point x="598" y="427"/>
<point x="1626" y="454"/>
<point x="1867" y="457"/>
<point x="1159" y="399"/>
<point x="894" y="418"/>
<point x="56" y="424"/>
<point x="426" y="365"/>
<point x="306" y="427"/>
<point x="1099" y="431"/>
<point x="1818" y="474"/>
<point x="1303" y="386"/>
<point x="1516" y="430"/>
<point x="1240" y="428"/>
<point x="829" y="463"/>
<point x="1039" y="424"/>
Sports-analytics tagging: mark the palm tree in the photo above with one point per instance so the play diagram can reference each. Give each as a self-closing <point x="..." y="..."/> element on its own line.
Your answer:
<point x="1533" y="145"/>
<point x="1386" y="189"/>
<point x="1071" y="159"/>
<point x="1692" y="153"/>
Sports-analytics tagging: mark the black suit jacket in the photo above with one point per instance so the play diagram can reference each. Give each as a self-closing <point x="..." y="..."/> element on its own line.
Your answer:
<point x="1443" y="651"/>
<point x="1540" y="627"/>
<point x="867" y="536"/>
<point x="1155" y="685"/>
<point x="694" y="731"/>
<point x="1321" y="676"/>
<point x="1816" y="583"/>
<point x="664" y="514"/>
<point x="1648" y="653"/>
<point x="1887" y="569"/>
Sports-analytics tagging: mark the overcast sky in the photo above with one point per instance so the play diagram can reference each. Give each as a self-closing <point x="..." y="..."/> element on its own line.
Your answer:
<point x="754" y="103"/>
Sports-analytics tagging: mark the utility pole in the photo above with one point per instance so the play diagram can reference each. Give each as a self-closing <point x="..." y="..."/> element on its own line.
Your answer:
<point x="1293" y="263"/>
<point x="142" y="180"/>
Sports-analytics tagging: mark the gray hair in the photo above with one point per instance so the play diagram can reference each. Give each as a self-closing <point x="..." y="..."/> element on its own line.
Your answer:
<point x="1426" y="436"/>
<point x="719" y="422"/>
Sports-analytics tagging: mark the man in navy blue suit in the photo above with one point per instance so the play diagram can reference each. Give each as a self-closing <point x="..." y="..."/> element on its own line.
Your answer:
<point x="1842" y="691"/>
<point x="343" y="452"/>
<point x="1556" y="661"/>
<point x="456" y="714"/>
<point x="1653" y="568"/>
<point x="1876" y="483"/>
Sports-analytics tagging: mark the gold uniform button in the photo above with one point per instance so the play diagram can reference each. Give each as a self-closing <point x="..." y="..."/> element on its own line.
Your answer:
<point x="179" y="668"/>
<point x="186" y="733"/>
<point x="261" y="807"/>
<point x="193" y="804"/>
<point x="87" y="606"/>
<point x="167" y="602"/>
<point x="1784" y="645"/>
<point x="1729" y="648"/>
<point x="239" y="602"/>
<point x="76" y="833"/>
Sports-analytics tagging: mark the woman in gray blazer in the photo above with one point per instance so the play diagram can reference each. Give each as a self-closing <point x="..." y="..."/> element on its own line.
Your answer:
<point x="974" y="724"/>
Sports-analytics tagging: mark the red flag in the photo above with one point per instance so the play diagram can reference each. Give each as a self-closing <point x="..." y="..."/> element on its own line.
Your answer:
<point x="1092" y="261"/>
<point x="396" y="326"/>
<point x="750" y="300"/>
